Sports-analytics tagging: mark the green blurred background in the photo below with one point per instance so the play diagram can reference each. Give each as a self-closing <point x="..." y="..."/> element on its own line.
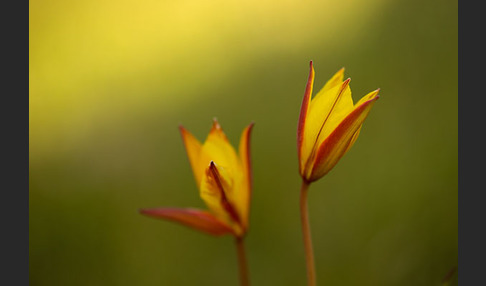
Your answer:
<point x="110" y="81"/>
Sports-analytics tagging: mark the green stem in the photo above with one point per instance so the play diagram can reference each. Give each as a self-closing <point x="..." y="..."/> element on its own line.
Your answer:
<point x="242" y="263"/>
<point x="304" y="216"/>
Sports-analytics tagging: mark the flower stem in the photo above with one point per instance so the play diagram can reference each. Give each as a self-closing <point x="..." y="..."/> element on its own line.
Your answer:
<point x="242" y="263"/>
<point x="304" y="216"/>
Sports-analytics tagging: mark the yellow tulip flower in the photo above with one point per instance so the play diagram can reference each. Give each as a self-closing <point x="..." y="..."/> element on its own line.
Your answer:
<point x="225" y="181"/>
<point x="329" y="124"/>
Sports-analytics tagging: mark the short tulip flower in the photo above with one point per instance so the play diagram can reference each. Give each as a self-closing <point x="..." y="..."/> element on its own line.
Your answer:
<point x="329" y="124"/>
<point x="224" y="179"/>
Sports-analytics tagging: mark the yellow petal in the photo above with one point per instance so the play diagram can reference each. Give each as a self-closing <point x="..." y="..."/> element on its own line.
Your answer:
<point x="336" y="80"/>
<point x="217" y="148"/>
<point x="243" y="191"/>
<point x="367" y="97"/>
<point x="341" y="139"/>
<point x="194" y="151"/>
<point x="341" y="108"/>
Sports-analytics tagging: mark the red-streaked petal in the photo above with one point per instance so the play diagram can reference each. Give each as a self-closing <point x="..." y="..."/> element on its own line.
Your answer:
<point x="303" y="115"/>
<point x="197" y="219"/>
<point x="217" y="191"/>
<point x="244" y="152"/>
<point x="338" y="142"/>
<point x="319" y="128"/>
<point x="221" y="184"/>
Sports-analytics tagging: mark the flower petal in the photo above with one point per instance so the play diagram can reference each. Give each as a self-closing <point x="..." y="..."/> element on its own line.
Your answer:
<point x="217" y="148"/>
<point x="337" y="106"/>
<point x="194" y="152"/>
<point x="367" y="97"/>
<point x="353" y="139"/>
<point x="242" y="198"/>
<point x="361" y="101"/>
<point x="325" y="113"/>
<point x="197" y="219"/>
<point x="302" y="119"/>
<point x="336" y="80"/>
<point x="217" y="191"/>
<point x="341" y="138"/>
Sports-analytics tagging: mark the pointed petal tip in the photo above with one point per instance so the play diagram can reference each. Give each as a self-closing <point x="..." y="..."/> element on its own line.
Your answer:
<point x="216" y="124"/>
<point x="311" y="67"/>
<point x="248" y="129"/>
<point x="183" y="130"/>
<point x="375" y="94"/>
<point x="374" y="97"/>
<point x="184" y="133"/>
<point x="345" y="84"/>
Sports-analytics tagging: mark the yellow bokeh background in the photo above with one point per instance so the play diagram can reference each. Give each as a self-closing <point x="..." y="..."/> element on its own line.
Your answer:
<point x="88" y="56"/>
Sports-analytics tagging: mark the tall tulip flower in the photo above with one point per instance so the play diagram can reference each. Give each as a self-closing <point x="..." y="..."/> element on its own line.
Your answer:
<point x="329" y="124"/>
<point x="225" y="181"/>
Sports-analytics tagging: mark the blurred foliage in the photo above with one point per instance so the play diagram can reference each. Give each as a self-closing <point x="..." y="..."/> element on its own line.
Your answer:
<point x="110" y="81"/>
